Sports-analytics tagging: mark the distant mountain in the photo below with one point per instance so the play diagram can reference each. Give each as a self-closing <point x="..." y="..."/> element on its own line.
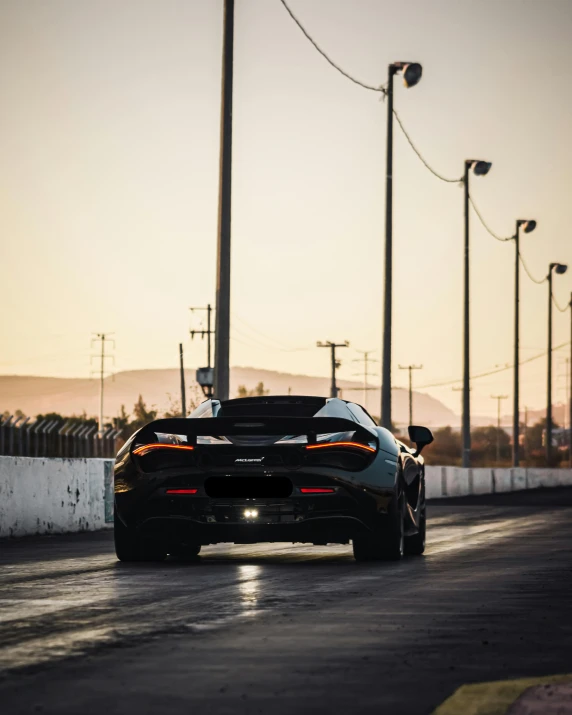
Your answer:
<point x="161" y="389"/>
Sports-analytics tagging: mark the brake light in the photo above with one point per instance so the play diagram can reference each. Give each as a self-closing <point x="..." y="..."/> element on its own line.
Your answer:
<point x="146" y="448"/>
<point x="316" y="490"/>
<point x="352" y="445"/>
<point x="182" y="491"/>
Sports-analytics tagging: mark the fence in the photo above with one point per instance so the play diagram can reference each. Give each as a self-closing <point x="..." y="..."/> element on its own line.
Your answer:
<point x="19" y="437"/>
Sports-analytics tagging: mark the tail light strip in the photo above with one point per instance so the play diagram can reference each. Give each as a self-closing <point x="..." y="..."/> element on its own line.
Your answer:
<point x="182" y="491"/>
<point x="146" y="448"/>
<point x="353" y="445"/>
<point x="317" y="490"/>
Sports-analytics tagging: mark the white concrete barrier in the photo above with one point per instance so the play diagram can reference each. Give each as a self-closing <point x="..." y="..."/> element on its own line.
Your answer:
<point x="434" y="482"/>
<point x="502" y="480"/>
<point x="481" y="481"/>
<point x="54" y="496"/>
<point x="458" y="482"/>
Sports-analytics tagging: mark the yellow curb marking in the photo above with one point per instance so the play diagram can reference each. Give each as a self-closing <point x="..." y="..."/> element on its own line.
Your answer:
<point x="492" y="698"/>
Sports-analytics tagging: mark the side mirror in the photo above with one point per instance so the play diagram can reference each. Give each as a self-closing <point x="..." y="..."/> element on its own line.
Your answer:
<point x="420" y="436"/>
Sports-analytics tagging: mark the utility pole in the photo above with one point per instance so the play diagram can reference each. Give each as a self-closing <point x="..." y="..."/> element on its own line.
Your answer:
<point x="525" y="435"/>
<point x="570" y="392"/>
<point x="528" y="226"/>
<point x="460" y="389"/>
<point x="566" y="426"/>
<point x="208" y="332"/>
<point x="559" y="268"/>
<point x="335" y="363"/>
<point x="479" y="168"/>
<point x="411" y="368"/>
<point x="183" y="392"/>
<point x="366" y="360"/>
<point x="203" y="374"/>
<point x="412" y="72"/>
<point x="222" y="346"/>
<point x="498" y="398"/>
<point x="102" y="338"/>
<point x="388" y="289"/>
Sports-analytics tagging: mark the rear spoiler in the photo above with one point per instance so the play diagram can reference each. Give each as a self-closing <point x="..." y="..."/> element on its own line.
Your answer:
<point x="251" y="426"/>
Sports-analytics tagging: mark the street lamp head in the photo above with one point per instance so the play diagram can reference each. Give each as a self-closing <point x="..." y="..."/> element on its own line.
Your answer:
<point x="479" y="167"/>
<point x="412" y="72"/>
<point x="559" y="268"/>
<point x="527" y="226"/>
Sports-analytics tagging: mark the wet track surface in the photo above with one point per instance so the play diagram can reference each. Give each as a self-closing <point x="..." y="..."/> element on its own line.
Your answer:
<point x="275" y="628"/>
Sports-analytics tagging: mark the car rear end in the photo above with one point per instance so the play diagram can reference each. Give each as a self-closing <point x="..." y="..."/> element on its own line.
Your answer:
<point x="205" y="481"/>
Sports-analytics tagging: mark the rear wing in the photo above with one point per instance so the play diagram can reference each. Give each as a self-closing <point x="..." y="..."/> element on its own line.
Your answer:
<point x="310" y="427"/>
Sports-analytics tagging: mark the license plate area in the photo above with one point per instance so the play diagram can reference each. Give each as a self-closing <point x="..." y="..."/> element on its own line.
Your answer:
<point x="248" y="487"/>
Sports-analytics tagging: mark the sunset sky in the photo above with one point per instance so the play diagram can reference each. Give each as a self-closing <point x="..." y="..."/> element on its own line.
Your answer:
<point x="109" y="142"/>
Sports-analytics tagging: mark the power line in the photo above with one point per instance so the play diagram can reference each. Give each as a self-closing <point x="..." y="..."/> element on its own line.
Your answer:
<point x="487" y="227"/>
<point x="496" y="370"/>
<point x="528" y="273"/>
<point x="282" y="346"/>
<point x="327" y="58"/>
<point x="562" y="310"/>
<point x="257" y="342"/>
<point x="427" y="165"/>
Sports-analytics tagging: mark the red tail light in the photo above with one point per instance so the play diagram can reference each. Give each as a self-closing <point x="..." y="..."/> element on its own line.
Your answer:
<point x="182" y="491"/>
<point x="316" y="490"/>
<point x="146" y="448"/>
<point x="352" y="445"/>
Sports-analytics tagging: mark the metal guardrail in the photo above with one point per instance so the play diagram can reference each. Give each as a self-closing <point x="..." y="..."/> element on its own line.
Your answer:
<point x="19" y="437"/>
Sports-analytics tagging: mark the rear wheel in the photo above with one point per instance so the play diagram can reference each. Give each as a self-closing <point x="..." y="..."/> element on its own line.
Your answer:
<point x="129" y="546"/>
<point x="389" y="544"/>
<point x="415" y="545"/>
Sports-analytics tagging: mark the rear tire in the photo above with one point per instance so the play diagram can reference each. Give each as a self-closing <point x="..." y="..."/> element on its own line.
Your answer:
<point x="415" y="545"/>
<point x="387" y="545"/>
<point x="129" y="546"/>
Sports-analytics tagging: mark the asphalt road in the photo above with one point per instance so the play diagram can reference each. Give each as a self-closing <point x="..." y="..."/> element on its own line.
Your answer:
<point x="282" y="628"/>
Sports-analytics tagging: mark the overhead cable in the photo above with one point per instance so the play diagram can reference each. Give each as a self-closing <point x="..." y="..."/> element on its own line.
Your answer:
<point x="562" y="310"/>
<point x="327" y="58"/>
<point x="495" y="371"/>
<point x="529" y="274"/>
<point x="423" y="161"/>
<point x="487" y="227"/>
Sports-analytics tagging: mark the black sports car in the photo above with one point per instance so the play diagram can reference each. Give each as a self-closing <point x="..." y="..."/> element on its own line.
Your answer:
<point x="294" y="469"/>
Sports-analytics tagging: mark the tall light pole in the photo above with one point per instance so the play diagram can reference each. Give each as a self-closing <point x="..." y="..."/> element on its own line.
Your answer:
<point x="559" y="268"/>
<point x="222" y="328"/>
<point x="527" y="227"/>
<point x="479" y="168"/>
<point x="412" y="72"/>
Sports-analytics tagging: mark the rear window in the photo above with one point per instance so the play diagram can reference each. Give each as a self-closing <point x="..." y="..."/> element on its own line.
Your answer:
<point x="274" y="408"/>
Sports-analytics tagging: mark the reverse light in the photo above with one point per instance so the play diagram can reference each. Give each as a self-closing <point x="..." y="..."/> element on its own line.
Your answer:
<point x="316" y="490"/>
<point x="182" y="491"/>
<point x="355" y="445"/>
<point x="147" y="448"/>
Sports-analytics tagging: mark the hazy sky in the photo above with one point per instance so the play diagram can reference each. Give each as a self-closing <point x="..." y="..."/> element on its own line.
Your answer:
<point x="109" y="141"/>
